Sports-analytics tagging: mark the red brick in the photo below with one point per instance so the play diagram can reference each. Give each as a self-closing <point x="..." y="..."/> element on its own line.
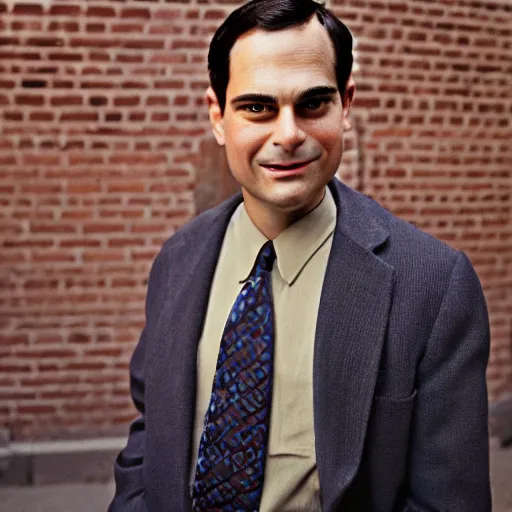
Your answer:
<point x="126" y="242"/>
<point x="16" y="367"/>
<point x="216" y="14"/>
<point x="165" y="29"/>
<point x="52" y="228"/>
<point x="94" y="227"/>
<point x="65" y="10"/>
<point x="13" y="116"/>
<point x="106" y="187"/>
<point x="59" y="394"/>
<point x="53" y="257"/>
<point x="66" y="26"/>
<point x="133" y="12"/>
<point x="7" y="159"/>
<point x="181" y="44"/>
<point x="41" y="188"/>
<point x="13" y="339"/>
<point x="46" y="353"/>
<point x="169" y="14"/>
<point x="44" y="41"/>
<point x="93" y="42"/>
<point x="83" y="187"/>
<point x="89" y="365"/>
<point x="41" y="116"/>
<point x="98" y="56"/>
<point x="67" y="100"/>
<point x="101" y="11"/>
<point x="152" y="44"/>
<point x="127" y="28"/>
<point x="36" y="409"/>
<point x="77" y="214"/>
<point x="30" y="243"/>
<point x="27" y="9"/>
<point x="89" y="159"/>
<point x="30" y="99"/>
<point x="105" y="379"/>
<point x="77" y="337"/>
<point x="129" y="187"/>
<point x="88" y="242"/>
<point x="65" y="56"/>
<point x="127" y="101"/>
<point x="51" y="339"/>
<point x="10" y="40"/>
<point x="103" y="352"/>
<point x="130" y="58"/>
<point x="95" y="28"/>
<point x="168" y="58"/>
<point x="79" y="116"/>
<point x="103" y="256"/>
<point x="34" y="284"/>
<point x="17" y="395"/>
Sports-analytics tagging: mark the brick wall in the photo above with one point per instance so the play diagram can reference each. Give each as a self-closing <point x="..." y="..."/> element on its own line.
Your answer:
<point x="102" y="141"/>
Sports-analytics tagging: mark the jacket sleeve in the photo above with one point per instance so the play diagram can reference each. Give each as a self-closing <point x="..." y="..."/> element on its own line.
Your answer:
<point x="128" y="466"/>
<point x="449" y="450"/>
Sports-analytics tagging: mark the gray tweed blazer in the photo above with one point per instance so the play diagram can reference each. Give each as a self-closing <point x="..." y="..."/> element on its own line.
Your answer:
<point x="401" y="349"/>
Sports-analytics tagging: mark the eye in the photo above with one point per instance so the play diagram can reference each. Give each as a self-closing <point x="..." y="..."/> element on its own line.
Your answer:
<point x="314" y="103"/>
<point x="254" y="108"/>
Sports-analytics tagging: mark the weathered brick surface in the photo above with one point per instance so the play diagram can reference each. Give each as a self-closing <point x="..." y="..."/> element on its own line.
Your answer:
<point x="102" y="137"/>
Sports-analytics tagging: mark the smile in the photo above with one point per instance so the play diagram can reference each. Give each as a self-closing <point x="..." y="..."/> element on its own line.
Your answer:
<point x="289" y="169"/>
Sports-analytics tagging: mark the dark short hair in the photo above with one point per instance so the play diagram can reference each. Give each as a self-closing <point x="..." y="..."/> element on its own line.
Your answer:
<point x="275" y="15"/>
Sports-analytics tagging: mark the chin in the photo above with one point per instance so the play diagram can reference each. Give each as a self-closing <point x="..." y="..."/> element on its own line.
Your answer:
<point x="290" y="197"/>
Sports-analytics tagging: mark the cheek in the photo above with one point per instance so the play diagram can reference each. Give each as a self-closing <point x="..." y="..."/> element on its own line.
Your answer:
<point x="244" y="140"/>
<point x="329" y="134"/>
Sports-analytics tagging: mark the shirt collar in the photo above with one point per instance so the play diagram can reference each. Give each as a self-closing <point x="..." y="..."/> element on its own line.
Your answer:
<point x="294" y="247"/>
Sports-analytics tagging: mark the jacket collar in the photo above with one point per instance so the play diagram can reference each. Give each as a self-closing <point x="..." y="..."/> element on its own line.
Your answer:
<point x="294" y="246"/>
<point x="354" y="218"/>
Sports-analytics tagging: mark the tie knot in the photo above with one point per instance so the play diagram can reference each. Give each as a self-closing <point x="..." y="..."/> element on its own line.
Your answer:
<point x="266" y="258"/>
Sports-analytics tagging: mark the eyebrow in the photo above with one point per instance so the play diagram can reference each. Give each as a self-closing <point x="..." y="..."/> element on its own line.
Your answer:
<point x="321" y="90"/>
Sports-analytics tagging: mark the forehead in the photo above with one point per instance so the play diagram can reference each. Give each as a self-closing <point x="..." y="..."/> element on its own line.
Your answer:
<point x="282" y="62"/>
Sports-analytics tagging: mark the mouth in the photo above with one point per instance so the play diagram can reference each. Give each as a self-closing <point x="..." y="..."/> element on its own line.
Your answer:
<point x="287" y="169"/>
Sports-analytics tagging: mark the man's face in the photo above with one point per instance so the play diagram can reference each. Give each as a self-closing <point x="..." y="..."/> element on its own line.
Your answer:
<point x="261" y="134"/>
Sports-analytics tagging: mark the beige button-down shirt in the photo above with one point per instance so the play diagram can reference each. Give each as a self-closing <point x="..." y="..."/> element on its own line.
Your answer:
<point x="291" y="478"/>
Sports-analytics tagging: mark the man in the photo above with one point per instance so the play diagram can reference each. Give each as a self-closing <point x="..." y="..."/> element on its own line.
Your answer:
<point x="304" y="349"/>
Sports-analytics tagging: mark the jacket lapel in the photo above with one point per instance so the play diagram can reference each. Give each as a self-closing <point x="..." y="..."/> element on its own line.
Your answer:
<point x="351" y="326"/>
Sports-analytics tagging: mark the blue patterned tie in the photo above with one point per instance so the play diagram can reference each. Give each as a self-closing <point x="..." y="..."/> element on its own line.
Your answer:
<point x="231" y="458"/>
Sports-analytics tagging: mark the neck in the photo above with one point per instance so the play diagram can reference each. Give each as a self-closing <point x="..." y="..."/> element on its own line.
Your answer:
<point x="271" y="222"/>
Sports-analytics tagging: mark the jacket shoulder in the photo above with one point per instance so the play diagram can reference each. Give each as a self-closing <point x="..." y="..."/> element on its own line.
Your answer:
<point x="196" y="230"/>
<point x="407" y="242"/>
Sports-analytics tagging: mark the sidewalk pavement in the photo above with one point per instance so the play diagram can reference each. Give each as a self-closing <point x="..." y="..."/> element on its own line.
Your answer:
<point x="95" y="497"/>
<point x="80" y="497"/>
<point x="501" y="477"/>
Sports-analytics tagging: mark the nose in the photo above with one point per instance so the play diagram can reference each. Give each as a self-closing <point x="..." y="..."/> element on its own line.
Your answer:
<point x="287" y="133"/>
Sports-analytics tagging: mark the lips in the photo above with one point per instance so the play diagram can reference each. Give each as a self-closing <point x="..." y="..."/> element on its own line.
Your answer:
<point x="286" y="166"/>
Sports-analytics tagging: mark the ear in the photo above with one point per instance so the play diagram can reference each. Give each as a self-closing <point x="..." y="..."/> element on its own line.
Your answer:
<point x="348" y="97"/>
<point x="215" y="114"/>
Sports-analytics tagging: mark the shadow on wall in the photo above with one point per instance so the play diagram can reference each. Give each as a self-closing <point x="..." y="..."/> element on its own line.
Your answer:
<point x="214" y="182"/>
